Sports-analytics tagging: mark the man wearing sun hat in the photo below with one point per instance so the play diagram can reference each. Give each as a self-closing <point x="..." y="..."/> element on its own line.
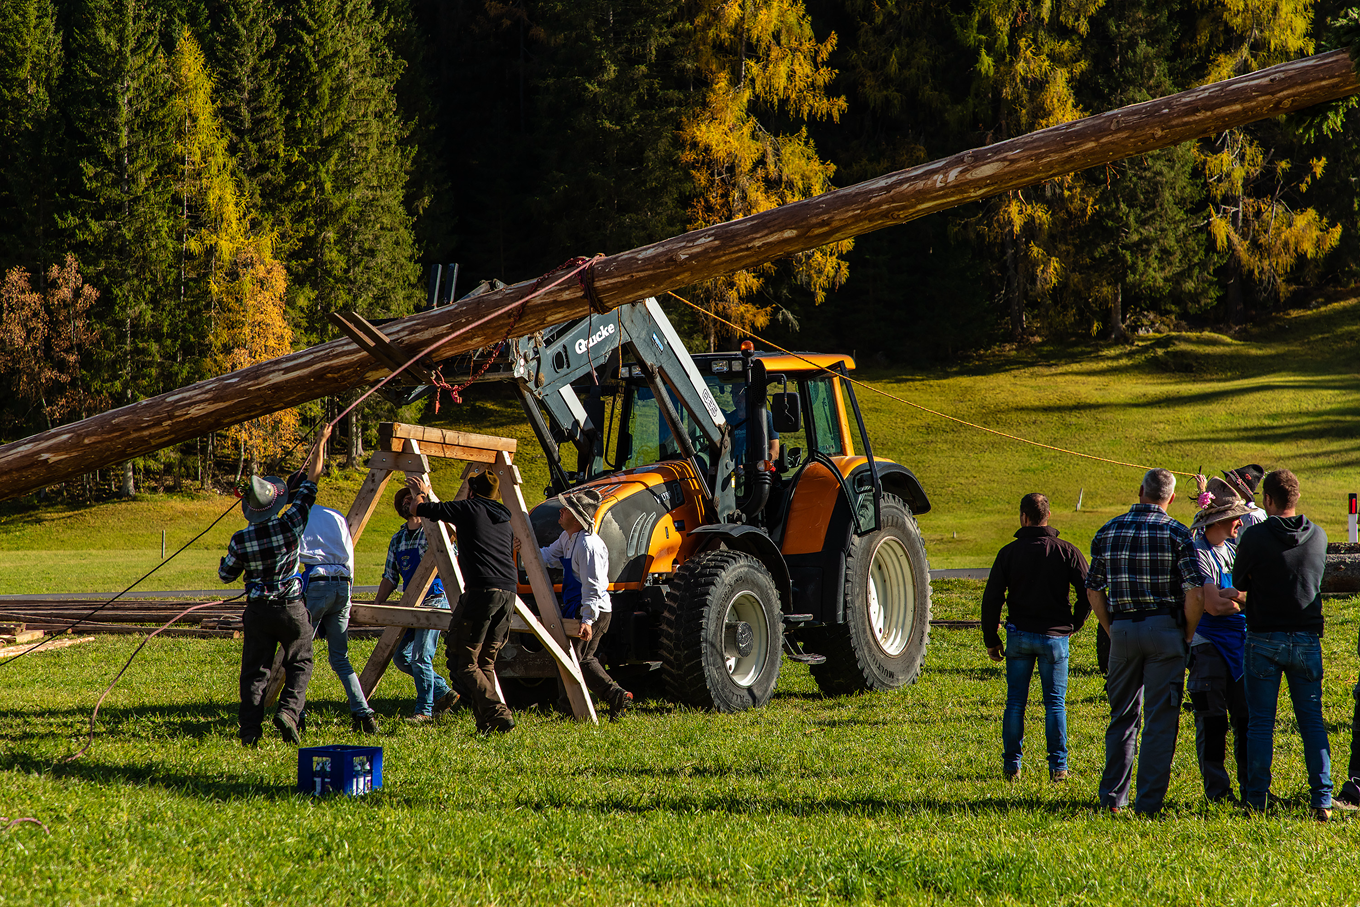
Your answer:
<point x="482" y="620"/>
<point x="584" y="559"/>
<point x="1244" y="480"/>
<point x="1218" y="638"/>
<point x="266" y="551"/>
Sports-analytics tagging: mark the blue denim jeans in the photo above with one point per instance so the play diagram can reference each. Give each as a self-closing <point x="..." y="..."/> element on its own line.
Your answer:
<point x="415" y="656"/>
<point x="1023" y="652"/>
<point x="1298" y="656"/>
<point x="328" y="606"/>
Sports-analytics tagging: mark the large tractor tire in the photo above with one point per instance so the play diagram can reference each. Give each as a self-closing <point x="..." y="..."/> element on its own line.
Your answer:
<point x="883" y="641"/>
<point x="722" y="633"/>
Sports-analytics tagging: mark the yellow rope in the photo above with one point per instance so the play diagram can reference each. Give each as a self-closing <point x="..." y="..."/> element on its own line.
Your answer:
<point x="923" y="409"/>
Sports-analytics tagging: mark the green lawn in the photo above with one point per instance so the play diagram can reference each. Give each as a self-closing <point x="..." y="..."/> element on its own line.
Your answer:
<point x="893" y="798"/>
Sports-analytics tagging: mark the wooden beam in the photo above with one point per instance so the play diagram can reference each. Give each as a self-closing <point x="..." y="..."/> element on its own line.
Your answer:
<point x="266" y="387"/>
<point x="432" y="619"/>
<point x="375" y="343"/>
<point x="391" y="434"/>
<point x="450" y="452"/>
<point x="414" y="464"/>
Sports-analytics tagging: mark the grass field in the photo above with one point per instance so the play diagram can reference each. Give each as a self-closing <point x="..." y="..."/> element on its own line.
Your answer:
<point x="880" y="798"/>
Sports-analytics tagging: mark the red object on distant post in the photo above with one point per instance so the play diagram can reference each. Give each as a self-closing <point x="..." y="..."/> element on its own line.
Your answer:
<point x="1351" y="529"/>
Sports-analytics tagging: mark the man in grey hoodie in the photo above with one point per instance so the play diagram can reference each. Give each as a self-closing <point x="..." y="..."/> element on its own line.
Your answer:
<point x="1279" y="566"/>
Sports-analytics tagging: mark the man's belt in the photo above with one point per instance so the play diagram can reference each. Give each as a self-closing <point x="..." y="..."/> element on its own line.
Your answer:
<point x="1145" y="613"/>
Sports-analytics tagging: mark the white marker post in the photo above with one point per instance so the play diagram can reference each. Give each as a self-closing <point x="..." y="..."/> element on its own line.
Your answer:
<point x="1351" y="521"/>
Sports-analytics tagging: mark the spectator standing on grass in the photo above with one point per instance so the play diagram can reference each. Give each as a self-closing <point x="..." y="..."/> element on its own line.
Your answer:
<point x="415" y="654"/>
<point x="1031" y="577"/>
<point x="266" y="551"/>
<point x="327" y="557"/>
<point x="1279" y="565"/>
<point x="1140" y="564"/>
<point x="1218" y="638"/>
<point x="487" y="561"/>
<point x="1244" y="480"/>
<point x="584" y="559"/>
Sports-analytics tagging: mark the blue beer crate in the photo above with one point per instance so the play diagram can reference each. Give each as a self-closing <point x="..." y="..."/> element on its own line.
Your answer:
<point x="349" y="770"/>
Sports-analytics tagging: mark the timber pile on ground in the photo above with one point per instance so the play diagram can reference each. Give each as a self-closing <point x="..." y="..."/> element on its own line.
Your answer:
<point x="127" y="616"/>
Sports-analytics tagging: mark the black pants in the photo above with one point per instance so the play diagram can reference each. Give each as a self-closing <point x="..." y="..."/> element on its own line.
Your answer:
<point x="597" y="679"/>
<point x="476" y="636"/>
<point x="1220" y="705"/>
<point x="268" y="624"/>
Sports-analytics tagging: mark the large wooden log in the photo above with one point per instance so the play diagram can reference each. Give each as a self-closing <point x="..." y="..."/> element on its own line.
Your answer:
<point x="151" y="424"/>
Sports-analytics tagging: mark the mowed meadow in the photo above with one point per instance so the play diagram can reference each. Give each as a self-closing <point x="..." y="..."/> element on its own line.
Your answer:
<point x="893" y="798"/>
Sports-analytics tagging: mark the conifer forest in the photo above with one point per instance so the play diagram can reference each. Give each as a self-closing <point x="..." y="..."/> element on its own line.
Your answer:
<point x="191" y="186"/>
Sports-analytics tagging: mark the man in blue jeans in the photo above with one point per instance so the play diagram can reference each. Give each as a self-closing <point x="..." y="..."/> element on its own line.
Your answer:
<point x="1031" y="577"/>
<point x="1279" y="566"/>
<point x="415" y="655"/>
<point x="327" y="558"/>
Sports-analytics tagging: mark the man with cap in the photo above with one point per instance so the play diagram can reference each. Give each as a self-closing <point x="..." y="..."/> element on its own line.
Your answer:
<point x="266" y="551"/>
<point x="1218" y="638"/>
<point x="327" y="556"/>
<point x="1279" y="565"/>
<point x="1141" y="562"/>
<point x="584" y="560"/>
<point x="482" y="622"/>
<point x="415" y="655"/>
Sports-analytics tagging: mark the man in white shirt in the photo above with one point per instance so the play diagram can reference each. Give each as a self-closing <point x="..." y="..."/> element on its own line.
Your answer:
<point x="584" y="560"/>
<point x="327" y="557"/>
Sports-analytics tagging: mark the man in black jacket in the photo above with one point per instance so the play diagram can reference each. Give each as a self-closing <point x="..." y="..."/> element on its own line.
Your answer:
<point x="1031" y="576"/>
<point x="1279" y="566"/>
<point x="482" y="619"/>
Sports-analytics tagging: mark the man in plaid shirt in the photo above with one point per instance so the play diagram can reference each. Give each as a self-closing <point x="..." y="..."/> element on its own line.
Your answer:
<point x="1141" y="563"/>
<point x="275" y="615"/>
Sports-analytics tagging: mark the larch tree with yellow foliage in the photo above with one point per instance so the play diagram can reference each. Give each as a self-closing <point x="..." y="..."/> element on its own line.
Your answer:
<point x="228" y="274"/>
<point x="758" y="65"/>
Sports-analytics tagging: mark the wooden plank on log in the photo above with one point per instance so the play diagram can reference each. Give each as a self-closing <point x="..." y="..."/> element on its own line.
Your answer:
<point x="50" y="647"/>
<point x="376" y="344"/>
<point x="391" y="434"/>
<point x="148" y="425"/>
<point x="126" y="630"/>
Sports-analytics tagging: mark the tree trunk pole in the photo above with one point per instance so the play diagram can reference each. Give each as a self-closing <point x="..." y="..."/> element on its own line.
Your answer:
<point x="266" y="387"/>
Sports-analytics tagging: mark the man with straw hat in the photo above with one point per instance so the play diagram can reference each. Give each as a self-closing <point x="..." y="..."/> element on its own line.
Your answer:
<point x="266" y="551"/>
<point x="1217" y="631"/>
<point x="1244" y="480"/>
<point x="584" y="559"/>
<point x="481" y="623"/>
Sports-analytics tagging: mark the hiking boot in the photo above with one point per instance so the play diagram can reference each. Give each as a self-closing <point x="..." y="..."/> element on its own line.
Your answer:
<point x="620" y="705"/>
<point x="367" y="724"/>
<point x="1348" y="797"/>
<point x="445" y="702"/>
<point x="1011" y="775"/>
<point x="1059" y="776"/>
<point x="252" y="740"/>
<point x="499" y="726"/>
<point x="420" y="718"/>
<point x="1321" y="813"/>
<point x="288" y="728"/>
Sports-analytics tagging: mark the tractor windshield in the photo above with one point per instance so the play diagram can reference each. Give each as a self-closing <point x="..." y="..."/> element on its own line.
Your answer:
<point x="646" y="438"/>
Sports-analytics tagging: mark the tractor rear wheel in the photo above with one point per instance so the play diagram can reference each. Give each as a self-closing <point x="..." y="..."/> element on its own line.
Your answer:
<point x="722" y="633"/>
<point x="883" y="641"/>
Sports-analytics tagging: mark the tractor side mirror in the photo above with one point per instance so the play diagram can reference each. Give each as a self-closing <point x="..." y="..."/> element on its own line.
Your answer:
<point x="789" y="458"/>
<point x="785" y="413"/>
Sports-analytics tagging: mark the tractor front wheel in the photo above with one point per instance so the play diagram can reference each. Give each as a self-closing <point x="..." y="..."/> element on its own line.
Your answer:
<point x="882" y="643"/>
<point x="723" y="636"/>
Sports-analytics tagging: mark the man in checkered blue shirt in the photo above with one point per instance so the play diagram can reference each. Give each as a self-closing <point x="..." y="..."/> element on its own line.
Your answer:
<point x="1141" y="563"/>
<point x="266" y="551"/>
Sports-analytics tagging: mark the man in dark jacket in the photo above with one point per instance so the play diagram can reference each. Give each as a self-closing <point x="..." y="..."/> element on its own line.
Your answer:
<point x="1279" y="566"/>
<point x="1031" y="577"/>
<point x="482" y="622"/>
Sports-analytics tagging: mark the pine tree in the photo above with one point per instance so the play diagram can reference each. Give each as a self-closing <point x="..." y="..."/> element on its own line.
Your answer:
<point x="30" y="65"/>
<point x="757" y="61"/>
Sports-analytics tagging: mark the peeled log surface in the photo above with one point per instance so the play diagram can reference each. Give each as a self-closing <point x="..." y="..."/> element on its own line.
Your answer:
<point x="151" y="424"/>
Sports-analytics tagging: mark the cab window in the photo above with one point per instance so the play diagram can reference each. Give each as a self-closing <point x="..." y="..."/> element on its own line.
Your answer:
<point x="823" y="423"/>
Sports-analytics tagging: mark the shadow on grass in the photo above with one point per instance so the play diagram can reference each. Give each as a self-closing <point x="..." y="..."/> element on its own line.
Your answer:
<point x="148" y="774"/>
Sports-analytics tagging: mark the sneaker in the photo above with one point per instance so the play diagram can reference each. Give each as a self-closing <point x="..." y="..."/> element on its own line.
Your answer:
<point x="620" y="705"/>
<point x="1348" y="797"/>
<point x="1059" y="776"/>
<point x="287" y="727"/>
<point x="420" y="718"/>
<point x="1322" y="814"/>
<point x="368" y="724"/>
<point x="445" y="702"/>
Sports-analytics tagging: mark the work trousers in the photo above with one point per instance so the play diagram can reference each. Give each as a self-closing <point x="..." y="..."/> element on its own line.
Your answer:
<point x="1353" y="770"/>
<point x="1220" y="705"/>
<point x="1144" y="682"/>
<point x="476" y="637"/>
<point x="268" y="624"/>
<point x="593" y="673"/>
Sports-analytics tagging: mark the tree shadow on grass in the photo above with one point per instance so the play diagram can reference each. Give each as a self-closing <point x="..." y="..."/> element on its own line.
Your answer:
<point x="148" y="774"/>
<point x="197" y="721"/>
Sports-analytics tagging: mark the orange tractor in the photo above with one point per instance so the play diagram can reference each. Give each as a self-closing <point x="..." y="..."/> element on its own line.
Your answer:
<point x="745" y="513"/>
